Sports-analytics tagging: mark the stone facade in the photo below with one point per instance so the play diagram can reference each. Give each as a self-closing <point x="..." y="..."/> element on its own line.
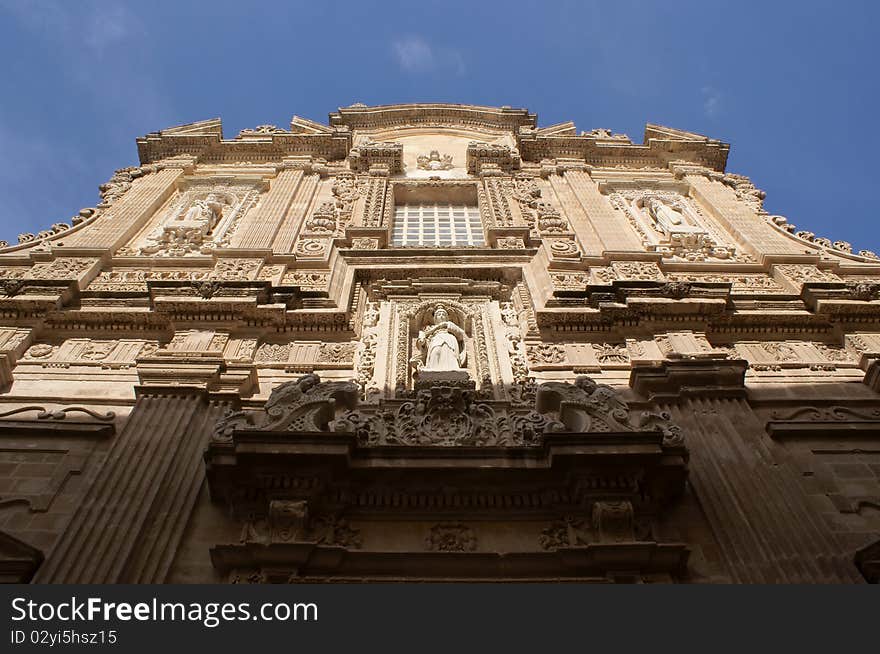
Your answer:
<point x="436" y="342"/>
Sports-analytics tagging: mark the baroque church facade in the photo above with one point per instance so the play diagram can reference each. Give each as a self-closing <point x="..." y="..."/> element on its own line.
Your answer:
<point x="436" y="342"/>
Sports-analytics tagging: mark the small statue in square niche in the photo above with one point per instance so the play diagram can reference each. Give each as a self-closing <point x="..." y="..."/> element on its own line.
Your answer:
<point x="434" y="161"/>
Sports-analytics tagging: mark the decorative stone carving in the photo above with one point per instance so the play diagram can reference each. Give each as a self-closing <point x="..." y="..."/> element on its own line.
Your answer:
<point x="262" y="129"/>
<point x="306" y="280"/>
<point x="273" y="352"/>
<point x="563" y="247"/>
<point x="332" y="217"/>
<point x="311" y="248"/>
<point x="336" y="352"/>
<point x="569" y="281"/>
<point x="567" y="532"/>
<point x="307" y="404"/>
<point x="611" y="354"/>
<point x="446" y="415"/>
<point x="510" y="243"/>
<point x="236" y="269"/>
<point x="434" y="161"/>
<point x="334" y="530"/>
<point x="135" y="280"/>
<point x="288" y="520"/>
<point x="365" y="243"/>
<point x="372" y="153"/>
<point x="641" y="270"/>
<point x="451" y="537"/>
<point x="546" y="353"/>
<point x="66" y="268"/>
<point x="117" y="185"/>
<point x="801" y="274"/>
<point x="366" y="362"/>
<point x="740" y="283"/>
<point x="442" y="415"/>
<point x="587" y="406"/>
<point x="480" y="155"/>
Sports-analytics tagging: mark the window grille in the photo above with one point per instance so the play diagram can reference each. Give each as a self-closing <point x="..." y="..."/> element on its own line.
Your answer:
<point x="437" y="225"/>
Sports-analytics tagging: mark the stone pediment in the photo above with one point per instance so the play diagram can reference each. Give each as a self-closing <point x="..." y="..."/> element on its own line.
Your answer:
<point x="362" y="117"/>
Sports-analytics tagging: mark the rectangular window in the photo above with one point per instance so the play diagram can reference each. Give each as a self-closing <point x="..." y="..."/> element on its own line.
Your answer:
<point x="441" y="225"/>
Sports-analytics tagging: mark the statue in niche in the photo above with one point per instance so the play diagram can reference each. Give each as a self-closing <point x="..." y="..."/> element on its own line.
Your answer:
<point x="441" y="344"/>
<point x="669" y="219"/>
<point x="434" y="161"/>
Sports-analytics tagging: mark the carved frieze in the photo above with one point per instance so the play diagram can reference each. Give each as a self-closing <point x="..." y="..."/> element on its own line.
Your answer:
<point x="307" y="280"/>
<point x="126" y="280"/>
<point x="740" y="283"/>
<point x="108" y="354"/>
<point x="628" y="270"/>
<point x="66" y="268"/>
<point x="306" y="355"/>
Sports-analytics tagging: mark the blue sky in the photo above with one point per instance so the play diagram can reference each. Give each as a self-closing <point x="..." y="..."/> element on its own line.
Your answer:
<point x="794" y="87"/>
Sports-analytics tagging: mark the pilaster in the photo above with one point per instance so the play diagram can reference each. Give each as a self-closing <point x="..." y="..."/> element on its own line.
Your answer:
<point x="765" y="528"/>
<point x="751" y="230"/>
<point x="580" y="221"/>
<point x="612" y="229"/>
<point x="132" y="518"/>
<point x="259" y="228"/>
<point x="296" y="215"/>
<point x="126" y="216"/>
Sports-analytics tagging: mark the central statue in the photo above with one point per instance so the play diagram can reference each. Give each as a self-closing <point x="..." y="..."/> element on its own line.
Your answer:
<point x="441" y="344"/>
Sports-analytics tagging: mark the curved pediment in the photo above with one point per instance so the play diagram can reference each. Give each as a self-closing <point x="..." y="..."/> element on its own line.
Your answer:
<point x="466" y="116"/>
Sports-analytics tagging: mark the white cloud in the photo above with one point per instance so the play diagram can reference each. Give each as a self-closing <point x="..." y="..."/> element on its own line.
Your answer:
<point x="711" y="101"/>
<point x="415" y="54"/>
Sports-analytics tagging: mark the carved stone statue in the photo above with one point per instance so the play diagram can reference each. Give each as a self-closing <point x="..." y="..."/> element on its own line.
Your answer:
<point x="441" y="344"/>
<point x="206" y="211"/>
<point x="669" y="219"/>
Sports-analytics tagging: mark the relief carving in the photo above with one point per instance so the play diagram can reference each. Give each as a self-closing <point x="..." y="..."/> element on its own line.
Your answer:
<point x="434" y="161"/>
<point x="199" y="220"/>
<point x="673" y="225"/>
<point x="451" y="537"/>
